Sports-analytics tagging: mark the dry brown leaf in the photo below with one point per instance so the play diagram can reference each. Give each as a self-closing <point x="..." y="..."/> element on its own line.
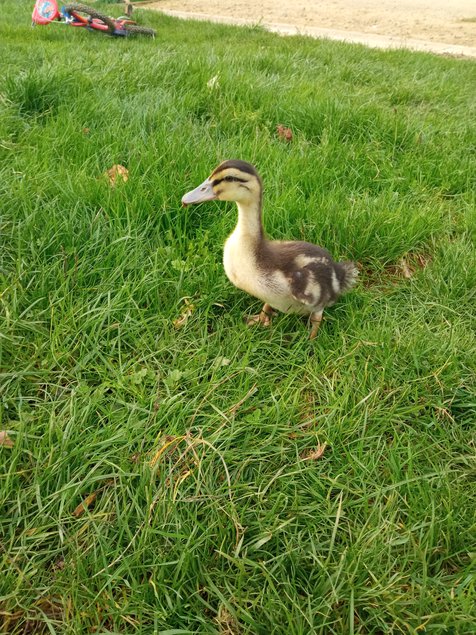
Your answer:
<point x="89" y="500"/>
<point x="227" y="623"/>
<point x="116" y="172"/>
<point x="407" y="271"/>
<point x="314" y="455"/>
<point x="409" y="264"/>
<point x="284" y="133"/>
<point x="86" y="504"/>
<point x="186" y="313"/>
<point x="5" y="439"/>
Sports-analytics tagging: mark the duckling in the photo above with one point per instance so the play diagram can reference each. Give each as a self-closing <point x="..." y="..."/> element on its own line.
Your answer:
<point x="289" y="276"/>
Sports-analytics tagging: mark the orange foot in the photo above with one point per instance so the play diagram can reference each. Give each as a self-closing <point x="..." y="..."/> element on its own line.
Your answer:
<point x="264" y="316"/>
<point x="316" y="319"/>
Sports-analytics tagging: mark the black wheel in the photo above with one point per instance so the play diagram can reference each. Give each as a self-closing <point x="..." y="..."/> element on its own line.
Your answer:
<point x="83" y="12"/>
<point x="135" y="29"/>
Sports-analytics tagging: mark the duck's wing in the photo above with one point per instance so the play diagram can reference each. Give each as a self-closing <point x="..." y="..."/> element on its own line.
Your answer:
<point x="305" y="289"/>
<point x="310" y="270"/>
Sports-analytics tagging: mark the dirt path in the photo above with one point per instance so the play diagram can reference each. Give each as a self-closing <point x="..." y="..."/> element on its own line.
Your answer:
<point x="442" y="26"/>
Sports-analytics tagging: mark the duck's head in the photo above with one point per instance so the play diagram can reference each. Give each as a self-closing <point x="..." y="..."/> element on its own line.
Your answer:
<point x="232" y="180"/>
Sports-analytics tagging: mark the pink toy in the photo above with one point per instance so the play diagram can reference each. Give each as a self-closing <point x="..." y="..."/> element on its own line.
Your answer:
<point x="45" y="11"/>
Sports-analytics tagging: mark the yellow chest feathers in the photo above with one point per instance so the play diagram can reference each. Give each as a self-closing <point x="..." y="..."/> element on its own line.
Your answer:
<point x="239" y="260"/>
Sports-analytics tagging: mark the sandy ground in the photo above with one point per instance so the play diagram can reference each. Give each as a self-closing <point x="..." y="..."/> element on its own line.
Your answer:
<point x="442" y="26"/>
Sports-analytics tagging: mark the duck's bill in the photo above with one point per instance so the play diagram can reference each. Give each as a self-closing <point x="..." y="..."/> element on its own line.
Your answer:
<point x="200" y="194"/>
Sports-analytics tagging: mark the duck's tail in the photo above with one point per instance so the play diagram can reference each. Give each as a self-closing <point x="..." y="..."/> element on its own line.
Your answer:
<point x="349" y="273"/>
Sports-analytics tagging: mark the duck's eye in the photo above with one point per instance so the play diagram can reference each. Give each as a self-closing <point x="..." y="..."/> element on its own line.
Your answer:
<point x="228" y="179"/>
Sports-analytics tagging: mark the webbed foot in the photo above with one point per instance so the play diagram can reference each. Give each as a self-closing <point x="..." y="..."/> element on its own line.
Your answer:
<point x="264" y="316"/>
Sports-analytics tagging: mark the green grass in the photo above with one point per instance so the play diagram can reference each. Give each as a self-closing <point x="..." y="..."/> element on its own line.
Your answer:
<point x="227" y="529"/>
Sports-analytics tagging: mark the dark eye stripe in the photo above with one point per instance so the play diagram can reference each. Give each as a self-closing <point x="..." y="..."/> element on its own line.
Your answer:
<point x="229" y="179"/>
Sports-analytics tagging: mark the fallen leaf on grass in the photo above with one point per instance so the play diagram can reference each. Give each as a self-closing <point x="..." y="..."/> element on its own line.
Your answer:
<point x="117" y="171"/>
<point x="227" y="623"/>
<point x="213" y="82"/>
<point x="314" y="455"/>
<point x="89" y="500"/>
<point x="284" y="133"/>
<point x="5" y="439"/>
<point x="186" y="313"/>
<point x="409" y="264"/>
<point x="86" y="504"/>
<point x="406" y="270"/>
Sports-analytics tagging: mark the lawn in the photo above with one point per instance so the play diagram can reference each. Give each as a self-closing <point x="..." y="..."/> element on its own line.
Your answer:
<point x="166" y="468"/>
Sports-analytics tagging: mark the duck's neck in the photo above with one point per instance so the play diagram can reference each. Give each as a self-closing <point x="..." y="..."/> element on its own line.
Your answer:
<point x="250" y="225"/>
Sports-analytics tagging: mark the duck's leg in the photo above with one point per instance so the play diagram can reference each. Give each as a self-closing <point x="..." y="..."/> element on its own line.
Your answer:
<point x="316" y="319"/>
<point x="263" y="317"/>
